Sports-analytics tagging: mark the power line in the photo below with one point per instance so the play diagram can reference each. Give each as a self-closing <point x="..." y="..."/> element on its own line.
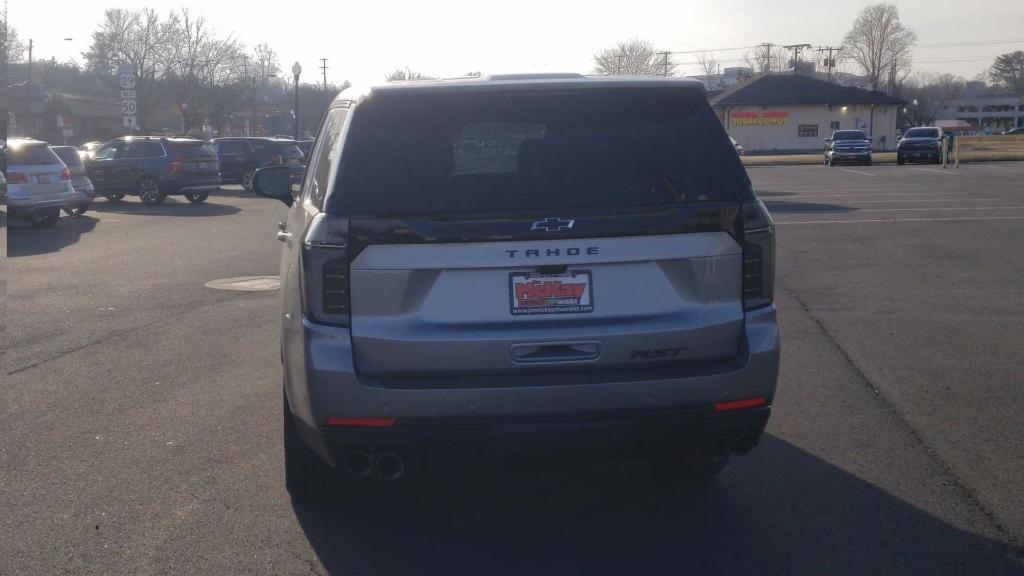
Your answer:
<point x="969" y="43"/>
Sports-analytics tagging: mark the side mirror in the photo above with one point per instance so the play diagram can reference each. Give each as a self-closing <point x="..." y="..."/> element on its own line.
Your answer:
<point x="274" y="182"/>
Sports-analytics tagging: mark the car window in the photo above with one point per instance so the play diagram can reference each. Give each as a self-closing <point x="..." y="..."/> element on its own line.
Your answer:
<point x="849" y="135"/>
<point x="922" y="133"/>
<point x="500" y="151"/>
<point x="229" y="147"/>
<point x="32" y="155"/>
<point x="324" y="150"/>
<point x="107" y="152"/>
<point x="69" y="156"/>
<point x="195" y="151"/>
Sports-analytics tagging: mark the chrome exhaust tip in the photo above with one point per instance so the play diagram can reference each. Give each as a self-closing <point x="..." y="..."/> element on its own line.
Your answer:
<point x="358" y="464"/>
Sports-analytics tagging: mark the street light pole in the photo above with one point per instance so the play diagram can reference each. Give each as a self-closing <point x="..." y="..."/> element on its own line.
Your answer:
<point x="296" y="70"/>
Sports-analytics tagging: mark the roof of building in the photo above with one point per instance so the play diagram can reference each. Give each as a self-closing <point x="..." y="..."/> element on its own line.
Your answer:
<point x="775" y="89"/>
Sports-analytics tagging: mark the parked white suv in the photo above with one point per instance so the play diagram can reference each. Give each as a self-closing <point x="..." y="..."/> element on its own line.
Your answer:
<point x="539" y="263"/>
<point x="38" y="183"/>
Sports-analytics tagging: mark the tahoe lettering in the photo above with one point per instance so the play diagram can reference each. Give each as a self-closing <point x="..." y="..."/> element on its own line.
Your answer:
<point x="590" y="251"/>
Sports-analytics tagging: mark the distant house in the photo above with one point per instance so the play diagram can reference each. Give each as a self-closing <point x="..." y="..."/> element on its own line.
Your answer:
<point x="58" y="117"/>
<point x="796" y="113"/>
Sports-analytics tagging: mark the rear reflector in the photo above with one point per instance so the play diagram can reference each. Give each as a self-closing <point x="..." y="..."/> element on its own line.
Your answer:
<point x="361" y="422"/>
<point x="740" y="404"/>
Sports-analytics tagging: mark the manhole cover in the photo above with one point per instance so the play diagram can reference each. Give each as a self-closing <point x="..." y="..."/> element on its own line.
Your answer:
<point x="246" y="284"/>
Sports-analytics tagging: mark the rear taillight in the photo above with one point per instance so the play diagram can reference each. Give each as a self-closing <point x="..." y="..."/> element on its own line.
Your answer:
<point x="65" y="175"/>
<point x="758" y="256"/>
<point x="16" y="178"/>
<point x="177" y="166"/>
<point x="276" y="160"/>
<point x="326" y="271"/>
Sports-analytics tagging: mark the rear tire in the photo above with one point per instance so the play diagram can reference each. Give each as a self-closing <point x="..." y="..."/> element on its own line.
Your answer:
<point x="831" y="162"/>
<point x="899" y="159"/>
<point x="867" y="162"/>
<point x="246" y="179"/>
<point x="306" y="475"/>
<point x="45" y="218"/>
<point x="77" y="210"/>
<point x="197" y="197"/>
<point x="150" y="192"/>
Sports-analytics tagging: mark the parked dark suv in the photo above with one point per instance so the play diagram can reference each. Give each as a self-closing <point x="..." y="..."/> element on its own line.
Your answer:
<point x="153" y="168"/>
<point x="548" y="262"/>
<point x="240" y="158"/>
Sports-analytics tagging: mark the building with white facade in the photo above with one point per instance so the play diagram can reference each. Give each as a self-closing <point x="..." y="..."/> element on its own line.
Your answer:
<point x="796" y="113"/>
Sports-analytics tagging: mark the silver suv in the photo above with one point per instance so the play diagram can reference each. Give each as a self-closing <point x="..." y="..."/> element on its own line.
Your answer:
<point x="546" y="262"/>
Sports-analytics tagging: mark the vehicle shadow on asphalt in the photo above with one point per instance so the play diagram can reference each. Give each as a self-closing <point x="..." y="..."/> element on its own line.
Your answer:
<point x="780" y="511"/>
<point x="170" y="207"/>
<point x="806" y="207"/>
<point x="25" y="240"/>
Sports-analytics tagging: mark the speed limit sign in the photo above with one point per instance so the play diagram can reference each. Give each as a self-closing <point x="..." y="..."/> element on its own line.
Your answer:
<point x="128" y="107"/>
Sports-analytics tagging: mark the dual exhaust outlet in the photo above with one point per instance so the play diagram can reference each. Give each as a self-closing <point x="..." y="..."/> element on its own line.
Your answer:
<point x="741" y="445"/>
<point x="387" y="465"/>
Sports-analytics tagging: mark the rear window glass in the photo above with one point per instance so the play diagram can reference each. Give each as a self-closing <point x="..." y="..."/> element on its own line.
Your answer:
<point x="288" y="151"/>
<point x="69" y="156"/>
<point x="922" y="133"/>
<point x="31" y="155"/>
<point x="195" y="151"/>
<point x="479" y="152"/>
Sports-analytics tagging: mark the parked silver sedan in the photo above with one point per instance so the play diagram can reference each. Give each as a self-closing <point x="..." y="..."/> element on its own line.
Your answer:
<point x="79" y="180"/>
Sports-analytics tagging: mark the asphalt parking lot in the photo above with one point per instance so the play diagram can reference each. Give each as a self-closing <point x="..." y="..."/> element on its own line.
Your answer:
<point x="140" y="411"/>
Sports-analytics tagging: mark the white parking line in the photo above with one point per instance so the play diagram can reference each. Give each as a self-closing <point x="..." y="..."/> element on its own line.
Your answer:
<point x="937" y="171"/>
<point x="902" y="220"/>
<point x="858" y="194"/>
<point x="856" y="172"/>
<point x="859" y="210"/>
<point x="770" y="203"/>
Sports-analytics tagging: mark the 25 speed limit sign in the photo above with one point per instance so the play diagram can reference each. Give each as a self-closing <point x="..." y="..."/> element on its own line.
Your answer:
<point x="128" y="108"/>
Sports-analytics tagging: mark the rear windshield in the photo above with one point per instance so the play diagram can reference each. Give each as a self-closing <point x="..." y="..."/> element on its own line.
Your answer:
<point x="502" y="151"/>
<point x="849" y="135"/>
<point x="69" y="156"/>
<point x="31" y="155"/>
<point x="922" y="133"/>
<point x="195" y="151"/>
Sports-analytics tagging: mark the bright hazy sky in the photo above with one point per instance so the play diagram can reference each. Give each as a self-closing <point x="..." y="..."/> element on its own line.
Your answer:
<point x="364" y="40"/>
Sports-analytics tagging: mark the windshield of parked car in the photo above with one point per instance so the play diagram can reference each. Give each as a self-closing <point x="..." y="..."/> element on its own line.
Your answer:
<point x="849" y="135"/>
<point x="69" y="155"/>
<point x="31" y="155"/>
<point x="922" y="133"/>
<point x="478" y="152"/>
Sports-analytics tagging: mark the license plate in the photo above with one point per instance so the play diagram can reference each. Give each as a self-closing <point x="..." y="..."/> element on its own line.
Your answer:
<point x="43" y="178"/>
<point x="569" y="292"/>
<point x="203" y="165"/>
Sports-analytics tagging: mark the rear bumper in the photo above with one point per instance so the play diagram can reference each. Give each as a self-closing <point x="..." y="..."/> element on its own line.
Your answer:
<point x="200" y="188"/>
<point x="850" y="156"/>
<point x="322" y="383"/>
<point x="181" y="186"/>
<point x="932" y="155"/>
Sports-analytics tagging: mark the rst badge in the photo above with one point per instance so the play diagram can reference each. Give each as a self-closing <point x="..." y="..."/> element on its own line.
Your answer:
<point x="569" y="292"/>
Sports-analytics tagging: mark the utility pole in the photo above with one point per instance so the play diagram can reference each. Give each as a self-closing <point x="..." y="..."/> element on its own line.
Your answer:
<point x="664" y="56"/>
<point x="30" y="45"/>
<point x="323" y="67"/>
<point x="830" y="61"/>
<point x="796" y="49"/>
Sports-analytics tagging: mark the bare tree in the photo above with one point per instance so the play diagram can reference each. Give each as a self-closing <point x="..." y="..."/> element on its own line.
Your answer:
<point x="401" y="74"/>
<point x="193" y="62"/>
<point x="634" y="57"/>
<point x="13" y="46"/>
<point x="765" y="58"/>
<point x="880" y="45"/>
<point x="927" y="94"/>
<point x="710" y="66"/>
<point x="134" y="37"/>
<point x="1008" y="71"/>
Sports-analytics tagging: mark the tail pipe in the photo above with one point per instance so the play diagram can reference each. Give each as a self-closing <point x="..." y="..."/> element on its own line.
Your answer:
<point x="389" y="466"/>
<point x="358" y="464"/>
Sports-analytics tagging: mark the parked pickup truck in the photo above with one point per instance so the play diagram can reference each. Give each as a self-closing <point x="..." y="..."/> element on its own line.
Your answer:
<point x="848" y="146"/>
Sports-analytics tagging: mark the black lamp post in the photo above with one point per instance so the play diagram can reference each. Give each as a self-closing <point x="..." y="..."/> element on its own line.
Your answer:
<point x="296" y="70"/>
